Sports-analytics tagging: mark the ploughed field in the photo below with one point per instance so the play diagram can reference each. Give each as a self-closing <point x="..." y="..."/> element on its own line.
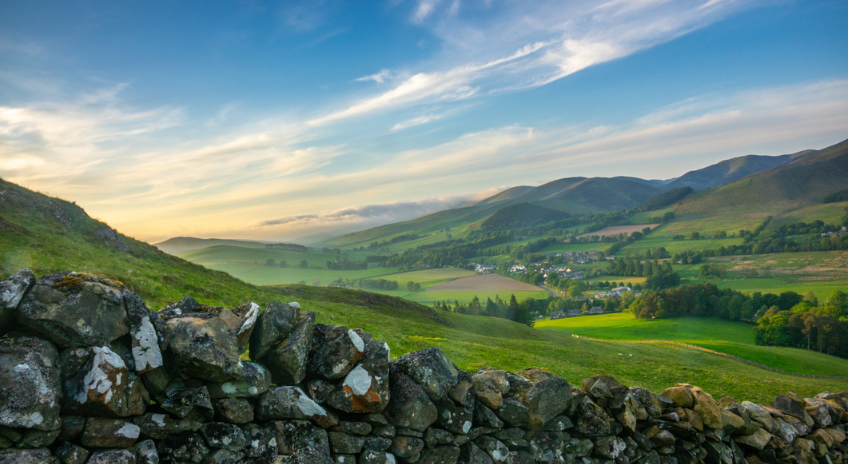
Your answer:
<point x="734" y="338"/>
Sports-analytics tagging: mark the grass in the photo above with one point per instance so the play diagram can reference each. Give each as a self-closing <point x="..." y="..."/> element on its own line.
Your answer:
<point x="724" y="336"/>
<point x="259" y="274"/>
<point x="32" y="236"/>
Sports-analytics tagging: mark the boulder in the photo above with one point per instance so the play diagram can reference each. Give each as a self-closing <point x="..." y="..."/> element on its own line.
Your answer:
<point x="272" y="327"/>
<point x="489" y="386"/>
<point x="247" y="314"/>
<point x="73" y="309"/>
<point x="494" y="448"/>
<point x="535" y="396"/>
<point x="440" y="455"/>
<point x="366" y="388"/>
<point x="96" y="382"/>
<point x="472" y="454"/>
<point x="234" y="410"/>
<point x="336" y="350"/>
<point x="145" y="452"/>
<point x="30" y="384"/>
<point x="69" y="453"/>
<point x="289" y="402"/>
<point x="788" y="406"/>
<point x="112" y="457"/>
<point x="680" y="395"/>
<point x="431" y="369"/>
<point x="12" y="291"/>
<point x="300" y="442"/>
<point x="757" y="440"/>
<point x="254" y="380"/>
<point x="101" y="432"/>
<point x="455" y="417"/>
<point x="706" y="407"/>
<point x="145" y="340"/>
<point x="192" y="404"/>
<point x="410" y="407"/>
<point x="200" y="342"/>
<point x="287" y="361"/>
<point x="222" y="435"/>
<point x="344" y="443"/>
<point x="590" y="420"/>
<point x="27" y="456"/>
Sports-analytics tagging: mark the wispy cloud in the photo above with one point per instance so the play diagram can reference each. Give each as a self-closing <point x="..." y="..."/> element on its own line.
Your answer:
<point x="417" y="121"/>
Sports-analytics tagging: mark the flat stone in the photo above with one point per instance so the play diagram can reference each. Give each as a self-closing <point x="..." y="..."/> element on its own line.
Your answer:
<point x="431" y="369"/>
<point x="223" y="435"/>
<point x="30" y="388"/>
<point x="70" y="453"/>
<point x="101" y="432"/>
<point x="758" y="439"/>
<point x="72" y="309"/>
<point x="489" y="386"/>
<point x="27" y="456"/>
<point x="112" y="457"/>
<point x="234" y="410"/>
<point x="160" y="426"/>
<point x="289" y="402"/>
<point x="680" y="395"/>
<point x="410" y="406"/>
<point x="193" y="404"/>
<point x="253" y="381"/>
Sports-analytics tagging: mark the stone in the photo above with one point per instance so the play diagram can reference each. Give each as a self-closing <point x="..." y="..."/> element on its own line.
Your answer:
<point x="579" y="447"/>
<point x="354" y="428"/>
<point x="489" y="386"/>
<point x="731" y="423"/>
<point x="434" y="437"/>
<point x="101" y="432"/>
<point x="375" y="457"/>
<point x="818" y="410"/>
<point x="336" y="350"/>
<point x="112" y="457"/>
<point x="787" y="405"/>
<point x="706" y="407"/>
<point x="647" y="401"/>
<point x="145" y="452"/>
<point x="32" y="438"/>
<point x="224" y="456"/>
<point x="160" y="426"/>
<point x="431" y="369"/>
<point x="453" y="417"/>
<point x="535" y="396"/>
<point x="410" y="406"/>
<point x="30" y="388"/>
<point x="462" y="392"/>
<point x="484" y="417"/>
<point x="472" y="454"/>
<point x="223" y="435"/>
<point x="12" y="291"/>
<point x="73" y="309"/>
<point x="72" y="427"/>
<point x="494" y="448"/>
<point x="440" y="455"/>
<point x="145" y="340"/>
<point x="609" y="447"/>
<point x="234" y="410"/>
<point x="406" y="447"/>
<point x="387" y="431"/>
<point x="254" y="380"/>
<point x="377" y="443"/>
<point x="680" y="395"/>
<point x="663" y="438"/>
<point x="200" y="342"/>
<point x="69" y="453"/>
<point x="303" y="443"/>
<point x="192" y="404"/>
<point x="272" y="327"/>
<point x="343" y="443"/>
<point x="289" y="402"/>
<point x="96" y="381"/>
<point x="366" y="389"/>
<point x="288" y="360"/>
<point x="247" y="313"/>
<point x="182" y="447"/>
<point x="757" y="440"/>
<point x="590" y="420"/>
<point x="27" y="456"/>
<point x="759" y="415"/>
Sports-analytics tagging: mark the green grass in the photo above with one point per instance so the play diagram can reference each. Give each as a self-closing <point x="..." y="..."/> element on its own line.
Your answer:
<point x="33" y="237"/>
<point x="259" y="274"/>
<point x="429" y="277"/>
<point x="723" y="336"/>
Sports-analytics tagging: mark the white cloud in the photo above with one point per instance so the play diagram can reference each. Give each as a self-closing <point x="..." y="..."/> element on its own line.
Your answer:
<point x="417" y="121"/>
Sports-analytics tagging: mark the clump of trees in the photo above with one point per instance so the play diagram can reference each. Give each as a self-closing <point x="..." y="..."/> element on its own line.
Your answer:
<point x="345" y="265"/>
<point x="658" y="275"/>
<point x="808" y="325"/>
<point x="512" y="310"/>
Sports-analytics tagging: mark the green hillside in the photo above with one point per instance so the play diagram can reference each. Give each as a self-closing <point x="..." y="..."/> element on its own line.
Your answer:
<point x="49" y="235"/>
<point x="182" y="244"/>
<point x="730" y="170"/>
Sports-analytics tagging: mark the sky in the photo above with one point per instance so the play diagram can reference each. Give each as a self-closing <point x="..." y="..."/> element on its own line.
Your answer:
<point x="293" y="120"/>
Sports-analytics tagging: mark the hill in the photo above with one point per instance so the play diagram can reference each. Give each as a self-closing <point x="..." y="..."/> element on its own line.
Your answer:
<point x="49" y="235"/>
<point x="522" y="214"/>
<point x="730" y="170"/>
<point x="182" y="244"/>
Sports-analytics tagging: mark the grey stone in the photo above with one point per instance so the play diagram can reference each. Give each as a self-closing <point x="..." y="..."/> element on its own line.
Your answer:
<point x="145" y="340"/>
<point x="535" y="397"/>
<point x="254" y="380"/>
<point x="431" y="369"/>
<point x="434" y="437"/>
<point x="287" y="361"/>
<point x="366" y="388"/>
<point x="375" y="457"/>
<point x="406" y="447"/>
<point x="193" y="404"/>
<point x="377" y="443"/>
<point x="609" y="447"/>
<point x="112" y="457"/>
<point x="72" y="427"/>
<point x="32" y="438"/>
<point x="27" y="456"/>
<point x="30" y="389"/>
<point x="472" y="454"/>
<point x="272" y="327"/>
<point x="101" y="432"/>
<point x="453" y="417"/>
<point x="234" y="410"/>
<point x="494" y="448"/>
<point x="343" y="443"/>
<point x="70" y="453"/>
<point x="72" y="309"/>
<point x="489" y="386"/>
<point x="579" y="447"/>
<point x="289" y="402"/>
<point x="410" y="406"/>
<point x="12" y="291"/>
<point x="353" y="428"/>
<point x="303" y="443"/>
<point x="182" y="447"/>
<point x="145" y="452"/>
<point x="160" y="426"/>
<point x="223" y="435"/>
<point x="440" y="455"/>
<point x="590" y="420"/>
<point x="96" y="381"/>
<point x="336" y="350"/>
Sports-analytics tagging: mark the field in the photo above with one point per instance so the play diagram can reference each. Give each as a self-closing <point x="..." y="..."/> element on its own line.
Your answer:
<point x="724" y="336"/>
<point x="260" y="274"/>
<point x="616" y="230"/>
<point x="482" y="283"/>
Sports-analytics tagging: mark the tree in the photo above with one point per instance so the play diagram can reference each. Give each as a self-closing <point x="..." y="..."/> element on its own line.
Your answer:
<point x="270" y="262"/>
<point x="283" y="264"/>
<point x="303" y="264"/>
<point x="410" y="285"/>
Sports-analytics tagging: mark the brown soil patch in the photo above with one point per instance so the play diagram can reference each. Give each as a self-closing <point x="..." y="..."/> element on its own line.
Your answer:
<point x="483" y="282"/>
<point x="615" y="230"/>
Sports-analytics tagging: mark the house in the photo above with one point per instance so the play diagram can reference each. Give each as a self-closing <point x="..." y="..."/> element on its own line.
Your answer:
<point x="596" y="310"/>
<point x="518" y="268"/>
<point x="618" y="291"/>
<point x="601" y="295"/>
<point x="574" y="312"/>
<point x="485" y="268"/>
<point x="557" y="315"/>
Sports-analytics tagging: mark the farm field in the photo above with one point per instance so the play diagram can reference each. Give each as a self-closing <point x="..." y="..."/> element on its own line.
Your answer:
<point x="260" y="274"/>
<point x="723" y="336"/>
<point x="656" y="239"/>
<point x="429" y="277"/>
<point x="483" y="282"/>
<point x="615" y="230"/>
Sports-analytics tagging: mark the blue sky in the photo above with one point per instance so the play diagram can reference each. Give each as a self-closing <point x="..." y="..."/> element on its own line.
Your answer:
<point x="277" y="120"/>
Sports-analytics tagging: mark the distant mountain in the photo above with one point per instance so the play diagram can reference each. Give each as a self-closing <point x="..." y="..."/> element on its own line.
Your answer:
<point x="579" y="195"/>
<point x="522" y="214"/>
<point x="730" y="170"/>
<point x="180" y="244"/>
<point x="806" y="179"/>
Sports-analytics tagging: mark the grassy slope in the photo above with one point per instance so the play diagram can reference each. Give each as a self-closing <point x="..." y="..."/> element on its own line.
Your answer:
<point x="723" y="336"/>
<point x="31" y="236"/>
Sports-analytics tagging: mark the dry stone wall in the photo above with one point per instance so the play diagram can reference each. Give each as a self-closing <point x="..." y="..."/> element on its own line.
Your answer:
<point x="89" y="375"/>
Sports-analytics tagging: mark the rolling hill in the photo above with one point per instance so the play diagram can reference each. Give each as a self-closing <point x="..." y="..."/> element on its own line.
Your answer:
<point x="730" y="170"/>
<point x="49" y="235"/>
<point x="182" y="244"/>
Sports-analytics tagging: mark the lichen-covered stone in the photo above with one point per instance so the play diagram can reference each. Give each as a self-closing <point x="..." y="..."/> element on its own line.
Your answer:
<point x="101" y="432"/>
<point x="287" y="361"/>
<point x="376" y="457"/>
<point x="33" y="438"/>
<point x="590" y="420"/>
<point x="145" y="452"/>
<point x="201" y="344"/>
<point x="489" y="386"/>
<point x="234" y="410"/>
<point x="112" y="457"/>
<point x="431" y="369"/>
<point x="758" y="439"/>
<point x="336" y="350"/>
<point x="223" y="435"/>
<point x="182" y="447"/>
<point x="300" y="442"/>
<point x="366" y="388"/>
<point x="344" y="443"/>
<point x="253" y="380"/>
<point x="72" y="309"/>
<point x="69" y="453"/>
<point x="407" y="448"/>
<point x="289" y="402"/>
<point x="160" y="426"/>
<point x="247" y="314"/>
<point x="27" y="456"/>
<point x="145" y="340"/>
<point x="410" y="407"/>
<point x="472" y="454"/>
<point x="96" y="381"/>
<point x="30" y="388"/>
<point x="192" y="404"/>
<point x="494" y="448"/>
<point x="12" y="291"/>
<point x="535" y="396"/>
<point x="272" y="327"/>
